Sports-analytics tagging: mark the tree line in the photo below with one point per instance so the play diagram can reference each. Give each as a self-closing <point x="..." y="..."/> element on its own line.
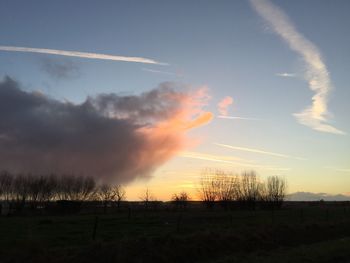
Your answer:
<point x="19" y="189"/>
<point x="245" y="190"/>
<point x="215" y="186"/>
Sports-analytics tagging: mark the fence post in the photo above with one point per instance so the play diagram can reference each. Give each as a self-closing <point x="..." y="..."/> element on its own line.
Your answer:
<point x="95" y="228"/>
<point x="301" y="215"/>
<point x="129" y="214"/>
<point x="178" y="221"/>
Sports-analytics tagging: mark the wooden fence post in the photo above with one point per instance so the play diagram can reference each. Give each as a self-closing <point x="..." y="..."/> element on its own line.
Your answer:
<point x="95" y="228"/>
<point x="178" y="221"/>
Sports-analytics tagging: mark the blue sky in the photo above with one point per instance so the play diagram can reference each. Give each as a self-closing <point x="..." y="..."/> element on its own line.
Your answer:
<point x="224" y="45"/>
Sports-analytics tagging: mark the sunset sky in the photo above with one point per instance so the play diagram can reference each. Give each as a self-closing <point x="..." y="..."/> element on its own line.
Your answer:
<point x="237" y="85"/>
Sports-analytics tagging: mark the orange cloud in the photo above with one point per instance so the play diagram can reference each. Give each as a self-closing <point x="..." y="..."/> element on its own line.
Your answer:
<point x="166" y="138"/>
<point x="108" y="136"/>
<point x="224" y="104"/>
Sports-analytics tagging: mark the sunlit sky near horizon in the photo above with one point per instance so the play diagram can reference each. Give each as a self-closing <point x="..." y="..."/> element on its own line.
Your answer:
<point x="238" y="49"/>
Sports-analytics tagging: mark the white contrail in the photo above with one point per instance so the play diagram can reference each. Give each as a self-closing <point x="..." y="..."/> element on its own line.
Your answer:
<point x="231" y="161"/>
<point x="158" y="71"/>
<point x="80" y="54"/>
<point x="237" y="118"/>
<point x="245" y="149"/>
<point x="286" y="75"/>
<point x="346" y="170"/>
<point x="317" y="75"/>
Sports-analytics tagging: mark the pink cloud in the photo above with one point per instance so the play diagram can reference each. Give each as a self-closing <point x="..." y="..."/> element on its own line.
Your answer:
<point x="224" y="104"/>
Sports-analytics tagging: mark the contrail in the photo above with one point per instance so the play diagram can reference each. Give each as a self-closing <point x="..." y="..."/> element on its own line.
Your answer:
<point x="80" y="54"/>
<point x="231" y="161"/>
<point x="257" y="151"/>
<point x="237" y="118"/>
<point x="315" y="116"/>
<point x="286" y="75"/>
<point x="159" y="71"/>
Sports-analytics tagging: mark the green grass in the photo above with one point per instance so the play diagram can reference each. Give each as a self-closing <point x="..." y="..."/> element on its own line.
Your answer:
<point x="168" y="236"/>
<point x="327" y="251"/>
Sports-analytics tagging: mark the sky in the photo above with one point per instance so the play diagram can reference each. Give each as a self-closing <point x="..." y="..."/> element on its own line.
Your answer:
<point x="182" y="86"/>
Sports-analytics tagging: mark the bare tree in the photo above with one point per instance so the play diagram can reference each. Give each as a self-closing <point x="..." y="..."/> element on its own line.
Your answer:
<point x="35" y="187"/>
<point x="20" y="189"/>
<point x="120" y="194"/>
<point x="106" y="195"/>
<point x="181" y="199"/>
<point x="87" y="189"/>
<point x="274" y="191"/>
<point x="74" y="188"/>
<point x="6" y="182"/>
<point x="208" y="187"/>
<point x="147" y="197"/>
<point x="250" y="189"/>
<point x="49" y="190"/>
<point x="228" y="187"/>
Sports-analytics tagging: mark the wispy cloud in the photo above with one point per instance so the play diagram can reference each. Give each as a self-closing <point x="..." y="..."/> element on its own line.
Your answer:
<point x="286" y="75"/>
<point x="224" y="104"/>
<point x="80" y="54"/>
<point x="159" y="71"/>
<point x="212" y="157"/>
<point x="245" y="149"/>
<point x="60" y="69"/>
<point x="336" y="169"/>
<point x="237" y="118"/>
<point x="230" y="160"/>
<point x="223" y="109"/>
<point x="315" y="116"/>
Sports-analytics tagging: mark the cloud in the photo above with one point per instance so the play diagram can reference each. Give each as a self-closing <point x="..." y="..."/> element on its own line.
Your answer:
<point x="159" y="71"/>
<point x="285" y="74"/>
<point x="57" y="69"/>
<point x="112" y="137"/>
<point x="316" y="116"/>
<point x="224" y="104"/>
<point x="308" y="196"/>
<point x="342" y="170"/>
<point x="229" y="160"/>
<point x="212" y="157"/>
<point x="80" y="54"/>
<point x="245" y="149"/>
<point x="237" y="118"/>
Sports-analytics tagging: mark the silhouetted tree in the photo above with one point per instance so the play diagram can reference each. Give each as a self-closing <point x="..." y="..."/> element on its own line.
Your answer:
<point x="208" y="187"/>
<point x="180" y="199"/>
<point x="6" y="185"/>
<point x="75" y="188"/>
<point x="228" y="187"/>
<point x="21" y="190"/>
<point x="109" y="193"/>
<point x="49" y="190"/>
<point x="147" y="197"/>
<point x="274" y="191"/>
<point x="120" y="194"/>
<point x="249" y="189"/>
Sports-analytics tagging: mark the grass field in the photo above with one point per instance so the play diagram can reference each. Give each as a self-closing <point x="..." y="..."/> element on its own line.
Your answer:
<point x="311" y="234"/>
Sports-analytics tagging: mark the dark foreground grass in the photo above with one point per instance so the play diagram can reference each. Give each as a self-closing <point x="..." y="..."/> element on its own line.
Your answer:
<point x="337" y="250"/>
<point x="168" y="236"/>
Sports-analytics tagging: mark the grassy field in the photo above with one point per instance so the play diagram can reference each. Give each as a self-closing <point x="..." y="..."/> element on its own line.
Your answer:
<point x="312" y="234"/>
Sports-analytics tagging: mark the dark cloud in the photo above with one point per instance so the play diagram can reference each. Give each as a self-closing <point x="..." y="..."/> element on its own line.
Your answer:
<point x="60" y="68"/>
<point x="108" y="136"/>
